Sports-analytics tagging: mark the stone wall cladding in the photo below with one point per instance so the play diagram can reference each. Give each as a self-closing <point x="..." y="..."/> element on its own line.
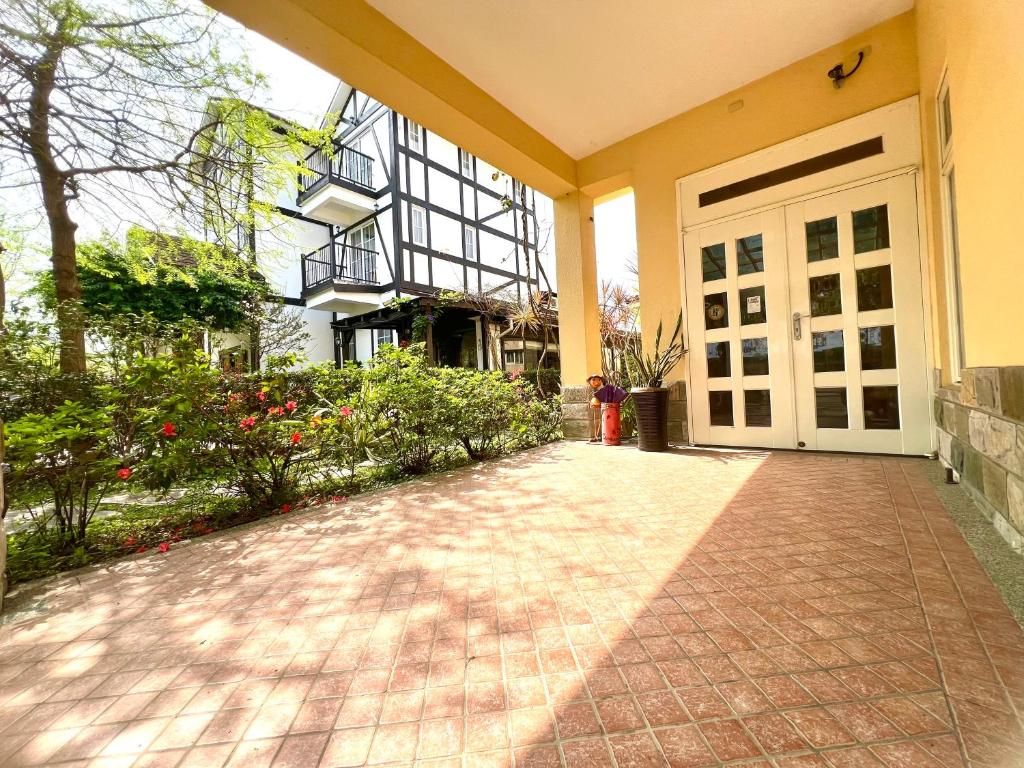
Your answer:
<point x="981" y="436"/>
<point x="576" y="412"/>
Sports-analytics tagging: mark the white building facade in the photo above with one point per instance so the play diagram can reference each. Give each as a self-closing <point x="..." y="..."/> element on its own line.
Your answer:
<point x="397" y="212"/>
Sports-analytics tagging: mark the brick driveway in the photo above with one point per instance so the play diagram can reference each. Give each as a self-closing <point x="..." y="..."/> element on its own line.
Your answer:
<point x="575" y="604"/>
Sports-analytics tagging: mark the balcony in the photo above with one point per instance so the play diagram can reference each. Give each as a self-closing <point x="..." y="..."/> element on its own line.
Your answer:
<point x="337" y="188"/>
<point x="340" y="278"/>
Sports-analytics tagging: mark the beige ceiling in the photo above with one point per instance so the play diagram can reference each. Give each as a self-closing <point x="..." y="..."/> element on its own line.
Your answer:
<point x="587" y="73"/>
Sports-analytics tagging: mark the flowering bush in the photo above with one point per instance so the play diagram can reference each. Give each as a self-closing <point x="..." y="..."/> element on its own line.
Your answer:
<point x="252" y="433"/>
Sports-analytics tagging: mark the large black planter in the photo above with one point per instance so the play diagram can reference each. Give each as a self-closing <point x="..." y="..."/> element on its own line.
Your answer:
<point x="651" y="417"/>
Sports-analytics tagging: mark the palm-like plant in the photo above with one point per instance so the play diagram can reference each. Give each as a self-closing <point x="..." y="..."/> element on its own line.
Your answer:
<point x="650" y="369"/>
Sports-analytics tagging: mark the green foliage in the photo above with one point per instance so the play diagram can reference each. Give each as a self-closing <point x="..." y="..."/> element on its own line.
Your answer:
<point x="547" y="380"/>
<point x="650" y="369"/>
<point x="73" y="452"/>
<point x="405" y="391"/>
<point x="167" y="279"/>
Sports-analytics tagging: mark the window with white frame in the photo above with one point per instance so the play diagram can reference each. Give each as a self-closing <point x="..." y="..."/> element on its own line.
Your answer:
<point x="467" y="164"/>
<point x="419" y="225"/>
<point x="514" y="357"/>
<point x="384" y="336"/>
<point x="469" y="243"/>
<point x="950" y="236"/>
<point x="415" y="136"/>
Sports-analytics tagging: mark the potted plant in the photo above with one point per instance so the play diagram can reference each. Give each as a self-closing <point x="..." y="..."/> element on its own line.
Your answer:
<point x="650" y="396"/>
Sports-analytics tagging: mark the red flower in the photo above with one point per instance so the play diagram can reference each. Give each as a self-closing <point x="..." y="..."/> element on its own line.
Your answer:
<point x="291" y="405"/>
<point x="169" y="429"/>
<point x="247" y="423"/>
<point x="336" y="499"/>
<point x="261" y="396"/>
<point x="286" y="508"/>
<point x="131" y="541"/>
<point x="345" y="411"/>
<point x="141" y="549"/>
<point x="296" y="436"/>
<point x="275" y="410"/>
<point x="164" y="546"/>
<point x="124" y="473"/>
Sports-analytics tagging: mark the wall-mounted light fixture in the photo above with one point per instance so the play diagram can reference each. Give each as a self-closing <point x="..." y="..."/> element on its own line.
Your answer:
<point x="837" y="75"/>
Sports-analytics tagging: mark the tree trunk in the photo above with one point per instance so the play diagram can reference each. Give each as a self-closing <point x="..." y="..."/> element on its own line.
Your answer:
<point x="70" y="322"/>
<point x="55" y="188"/>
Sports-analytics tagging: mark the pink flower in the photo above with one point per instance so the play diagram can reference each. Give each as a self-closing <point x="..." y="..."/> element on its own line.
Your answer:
<point x="291" y="405"/>
<point x="296" y="436"/>
<point x="261" y="396"/>
<point x="247" y="423"/>
<point x="345" y="411"/>
<point x="286" y="508"/>
<point x="164" y="546"/>
<point x="169" y="429"/>
<point x="335" y="499"/>
<point x="124" y="473"/>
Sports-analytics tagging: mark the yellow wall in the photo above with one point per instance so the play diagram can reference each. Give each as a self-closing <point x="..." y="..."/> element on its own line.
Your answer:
<point x="979" y="41"/>
<point x="781" y="106"/>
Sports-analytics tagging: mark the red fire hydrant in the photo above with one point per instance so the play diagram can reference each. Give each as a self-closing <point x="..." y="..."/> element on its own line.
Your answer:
<point x="611" y="423"/>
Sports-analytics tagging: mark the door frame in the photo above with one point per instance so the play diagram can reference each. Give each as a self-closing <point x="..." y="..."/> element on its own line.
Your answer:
<point x="898" y="125"/>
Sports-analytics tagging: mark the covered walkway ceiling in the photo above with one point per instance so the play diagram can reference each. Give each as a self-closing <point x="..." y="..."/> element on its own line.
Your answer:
<point x="588" y="74"/>
<point x="535" y="85"/>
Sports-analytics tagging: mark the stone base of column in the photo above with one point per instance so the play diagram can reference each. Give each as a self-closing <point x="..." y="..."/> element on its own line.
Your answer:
<point x="980" y="426"/>
<point x="576" y="412"/>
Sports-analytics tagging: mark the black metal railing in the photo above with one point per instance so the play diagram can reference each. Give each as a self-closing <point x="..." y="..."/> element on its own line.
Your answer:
<point x="339" y="263"/>
<point x="344" y="165"/>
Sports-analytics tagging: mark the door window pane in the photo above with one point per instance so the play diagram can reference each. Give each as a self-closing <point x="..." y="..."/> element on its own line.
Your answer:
<point x="757" y="407"/>
<point x="749" y="255"/>
<point x="713" y="259"/>
<point x="716" y="311"/>
<point x="822" y="239"/>
<point x="826" y="298"/>
<point x="718" y="360"/>
<point x="871" y="229"/>
<point x="829" y="353"/>
<point x="830" y="407"/>
<point x="874" y="288"/>
<point x="881" y="408"/>
<point x="755" y="357"/>
<point x="721" y="408"/>
<point x="878" y="348"/>
<point x="752" y="306"/>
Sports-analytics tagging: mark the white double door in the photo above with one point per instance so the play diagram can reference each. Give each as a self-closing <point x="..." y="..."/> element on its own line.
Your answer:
<point x="806" y="325"/>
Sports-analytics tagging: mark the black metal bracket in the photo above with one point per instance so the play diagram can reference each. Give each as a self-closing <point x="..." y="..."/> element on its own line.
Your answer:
<point x="837" y="74"/>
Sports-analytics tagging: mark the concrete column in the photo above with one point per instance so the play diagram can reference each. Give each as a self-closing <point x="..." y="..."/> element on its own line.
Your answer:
<point x="579" y="335"/>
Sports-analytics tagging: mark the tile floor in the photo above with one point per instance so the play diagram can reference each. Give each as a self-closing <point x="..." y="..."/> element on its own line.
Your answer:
<point x="573" y="605"/>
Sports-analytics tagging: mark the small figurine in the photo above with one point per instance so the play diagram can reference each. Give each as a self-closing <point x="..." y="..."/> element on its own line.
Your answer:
<point x="608" y="398"/>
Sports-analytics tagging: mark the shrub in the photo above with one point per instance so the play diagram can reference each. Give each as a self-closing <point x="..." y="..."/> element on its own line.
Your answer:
<point x="72" y="451"/>
<point x="255" y="433"/>
<point x="486" y="410"/>
<point x="416" y="416"/>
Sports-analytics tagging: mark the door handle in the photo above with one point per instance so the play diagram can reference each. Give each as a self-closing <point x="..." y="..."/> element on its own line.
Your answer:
<point x="797" y="327"/>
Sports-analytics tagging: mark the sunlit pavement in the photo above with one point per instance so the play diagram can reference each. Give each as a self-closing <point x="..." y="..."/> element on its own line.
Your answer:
<point x="575" y="604"/>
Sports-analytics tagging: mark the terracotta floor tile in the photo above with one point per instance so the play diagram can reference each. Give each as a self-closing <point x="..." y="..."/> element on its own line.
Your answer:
<point x="637" y="750"/>
<point x="619" y="715"/>
<point x="685" y="747"/>
<point x="588" y="753"/>
<point x="728" y="739"/>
